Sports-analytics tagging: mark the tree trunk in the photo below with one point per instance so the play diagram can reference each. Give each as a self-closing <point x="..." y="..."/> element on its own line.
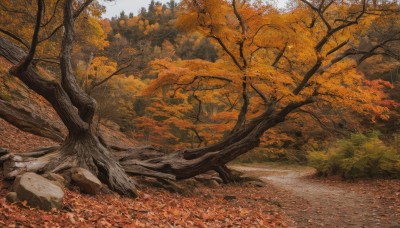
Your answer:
<point x="226" y="175"/>
<point x="82" y="147"/>
<point x="189" y="163"/>
<point x="29" y="122"/>
<point x="86" y="151"/>
<point x="79" y="150"/>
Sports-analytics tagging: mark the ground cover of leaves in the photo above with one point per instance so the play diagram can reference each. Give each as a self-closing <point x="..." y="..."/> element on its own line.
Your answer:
<point x="154" y="208"/>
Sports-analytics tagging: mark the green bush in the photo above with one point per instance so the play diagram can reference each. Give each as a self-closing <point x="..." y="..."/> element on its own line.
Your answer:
<point x="360" y="156"/>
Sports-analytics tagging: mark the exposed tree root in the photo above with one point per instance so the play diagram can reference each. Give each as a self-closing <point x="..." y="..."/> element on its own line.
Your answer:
<point x="85" y="151"/>
<point x="29" y="122"/>
<point x="226" y="174"/>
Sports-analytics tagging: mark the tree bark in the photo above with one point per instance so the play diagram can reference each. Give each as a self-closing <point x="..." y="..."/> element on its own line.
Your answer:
<point x="189" y="163"/>
<point x="226" y="175"/>
<point x="29" y="122"/>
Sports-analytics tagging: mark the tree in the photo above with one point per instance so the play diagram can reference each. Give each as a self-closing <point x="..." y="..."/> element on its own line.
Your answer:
<point x="76" y="109"/>
<point x="277" y="73"/>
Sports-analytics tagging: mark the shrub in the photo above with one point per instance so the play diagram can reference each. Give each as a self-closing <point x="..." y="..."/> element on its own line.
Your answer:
<point x="360" y="156"/>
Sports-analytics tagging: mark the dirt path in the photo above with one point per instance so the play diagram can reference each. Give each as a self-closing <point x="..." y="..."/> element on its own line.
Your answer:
<point x="313" y="203"/>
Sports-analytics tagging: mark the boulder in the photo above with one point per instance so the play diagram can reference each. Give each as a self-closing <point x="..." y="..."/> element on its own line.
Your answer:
<point x="3" y="151"/>
<point x="230" y="198"/>
<point x="11" y="197"/>
<point x="211" y="183"/>
<point x="4" y="154"/>
<point x="86" y="181"/>
<point x="56" y="178"/>
<point x="39" y="192"/>
<point x="218" y="179"/>
<point x="207" y="180"/>
<point x="203" y="177"/>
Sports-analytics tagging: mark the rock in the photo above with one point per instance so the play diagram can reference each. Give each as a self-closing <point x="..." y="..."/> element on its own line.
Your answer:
<point x="207" y="180"/>
<point x="203" y="177"/>
<point x="56" y="178"/>
<point x="172" y="186"/>
<point x="4" y="154"/>
<point x="3" y="151"/>
<point x="39" y="192"/>
<point x="86" y="181"/>
<point x="218" y="179"/>
<point x="191" y="183"/>
<point x="230" y="198"/>
<point x="250" y="179"/>
<point x="11" y="197"/>
<point x="255" y="183"/>
<point x="211" y="183"/>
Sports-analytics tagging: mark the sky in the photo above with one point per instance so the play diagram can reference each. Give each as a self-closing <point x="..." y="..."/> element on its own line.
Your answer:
<point x="133" y="6"/>
<point x="129" y="6"/>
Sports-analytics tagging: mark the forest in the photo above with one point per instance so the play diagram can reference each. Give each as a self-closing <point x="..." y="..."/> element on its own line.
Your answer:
<point x="200" y="113"/>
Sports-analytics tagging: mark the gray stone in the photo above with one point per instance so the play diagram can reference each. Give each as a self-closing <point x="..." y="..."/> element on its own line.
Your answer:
<point x="212" y="183"/>
<point x="56" y="178"/>
<point x="86" y="181"/>
<point x="207" y="180"/>
<point x="203" y="177"/>
<point x="229" y="198"/>
<point x="11" y="197"/>
<point x="3" y="151"/>
<point x="218" y="179"/>
<point x="4" y="154"/>
<point x="39" y="192"/>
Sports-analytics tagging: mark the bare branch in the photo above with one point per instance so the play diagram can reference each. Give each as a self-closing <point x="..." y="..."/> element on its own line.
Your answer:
<point x="337" y="47"/>
<point x="279" y="56"/>
<point x="28" y="59"/>
<point x="106" y="79"/>
<point x="52" y="15"/>
<point x="243" y="28"/>
<point x="225" y="48"/>
<point x="322" y="124"/>
<point x="261" y="94"/>
<point x="15" y="37"/>
<point x="75" y="15"/>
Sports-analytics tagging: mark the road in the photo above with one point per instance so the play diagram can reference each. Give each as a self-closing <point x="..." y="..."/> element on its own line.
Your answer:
<point x="312" y="203"/>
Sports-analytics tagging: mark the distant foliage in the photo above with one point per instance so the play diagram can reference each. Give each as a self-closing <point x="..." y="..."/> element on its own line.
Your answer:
<point x="260" y="155"/>
<point x="360" y="156"/>
<point x="154" y="33"/>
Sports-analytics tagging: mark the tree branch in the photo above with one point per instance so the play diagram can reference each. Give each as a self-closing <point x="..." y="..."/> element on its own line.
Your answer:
<point x="83" y="102"/>
<point x="15" y="37"/>
<point x="279" y="56"/>
<point x="28" y="59"/>
<point x="106" y="79"/>
<point x="75" y="15"/>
